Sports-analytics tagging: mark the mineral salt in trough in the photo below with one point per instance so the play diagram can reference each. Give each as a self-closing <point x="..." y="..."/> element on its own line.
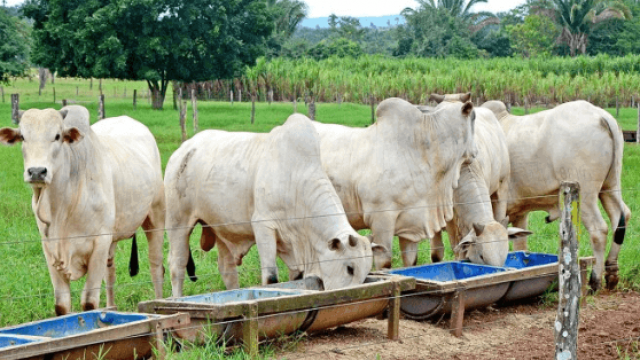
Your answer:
<point x="270" y="311"/>
<point x="453" y="287"/>
<point x="118" y="335"/>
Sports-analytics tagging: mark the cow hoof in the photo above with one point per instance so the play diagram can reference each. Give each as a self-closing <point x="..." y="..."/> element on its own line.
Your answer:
<point x="61" y="310"/>
<point x="595" y="284"/>
<point x="88" y="307"/>
<point x="612" y="281"/>
<point x="272" y="279"/>
<point x="435" y="258"/>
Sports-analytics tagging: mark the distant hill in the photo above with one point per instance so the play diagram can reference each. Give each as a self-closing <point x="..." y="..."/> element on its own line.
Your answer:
<point x="365" y="21"/>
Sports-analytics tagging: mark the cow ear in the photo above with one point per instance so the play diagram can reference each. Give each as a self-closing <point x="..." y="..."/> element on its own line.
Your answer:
<point x="335" y="245"/>
<point x="515" y="232"/>
<point x="463" y="247"/>
<point x="9" y="136"/>
<point x="72" y="135"/>
<point x="465" y="97"/>
<point x="437" y="98"/>
<point x="467" y="108"/>
<point x="505" y="222"/>
<point x="63" y="113"/>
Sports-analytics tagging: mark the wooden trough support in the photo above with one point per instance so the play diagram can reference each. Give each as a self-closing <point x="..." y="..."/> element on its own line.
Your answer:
<point x="296" y="307"/>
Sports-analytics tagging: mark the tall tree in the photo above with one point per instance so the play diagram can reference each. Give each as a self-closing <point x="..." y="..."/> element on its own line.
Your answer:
<point x="534" y="37"/>
<point x="461" y="9"/>
<point x="577" y="19"/>
<point x="157" y="41"/>
<point x="14" y="46"/>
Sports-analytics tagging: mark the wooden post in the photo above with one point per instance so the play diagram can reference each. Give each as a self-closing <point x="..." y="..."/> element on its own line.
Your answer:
<point x="457" y="313"/>
<point x="194" y="107"/>
<point x="509" y="107"/>
<point x="231" y="96"/>
<point x="183" y="115"/>
<point x="253" y="108"/>
<point x="240" y="95"/>
<point x="125" y="92"/>
<point x="101" y="113"/>
<point x="77" y="90"/>
<point x="270" y="96"/>
<point x="566" y="324"/>
<point x="15" y="108"/>
<point x="250" y="330"/>
<point x="638" y="130"/>
<point x="2" y="92"/>
<point x="295" y="103"/>
<point x="90" y="83"/>
<point x="393" y="325"/>
<point x="135" y="98"/>
<point x="617" y="108"/>
<point x="372" y="99"/>
<point x="64" y="102"/>
<point x="54" y="95"/>
<point x="526" y="103"/>
<point x="100" y="85"/>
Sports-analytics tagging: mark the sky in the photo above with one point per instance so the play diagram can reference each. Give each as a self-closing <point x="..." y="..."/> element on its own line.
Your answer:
<point x="321" y="8"/>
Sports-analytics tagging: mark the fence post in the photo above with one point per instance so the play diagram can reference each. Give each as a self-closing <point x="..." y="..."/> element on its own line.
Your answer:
<point x="194" y="107"/>
<point x="2" y="92"/>
<point x="253" y="107"/>
<point x="90" y="83"/>
<point x="54" y="95"/>
<point x="135" y="98"/>
<point x="64" y="102"/>
<point x="617" y="108"/>
<point x="566" y="324"/>
<point x="231" y="96"/>
<point x="638" y="130"/>
<point x="15" y="108"/>
<point x="100" y="85"/>
<point x="183" y="115"/>
<point x="77" y="90"/>
<point x="373" y="110"/>
<point x="101" y="113"/>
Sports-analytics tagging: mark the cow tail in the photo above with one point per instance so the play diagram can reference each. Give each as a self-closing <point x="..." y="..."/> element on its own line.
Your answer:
<point x="191" y="268"/>
<point x="134" y="266"/>
<point x="613" y="178"/>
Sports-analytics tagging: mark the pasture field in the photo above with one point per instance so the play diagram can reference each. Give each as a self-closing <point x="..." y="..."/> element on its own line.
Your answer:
<point x="25" y="288"/>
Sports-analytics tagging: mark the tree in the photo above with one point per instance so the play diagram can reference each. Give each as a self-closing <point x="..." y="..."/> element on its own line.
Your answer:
<point x="14" y="46"/>
<point x="287" y="15"/>
<point x="157" y="41"/>
<point x="578" y="18"/>
<point x="460" y="9"/>
<point x="534" y="37"/>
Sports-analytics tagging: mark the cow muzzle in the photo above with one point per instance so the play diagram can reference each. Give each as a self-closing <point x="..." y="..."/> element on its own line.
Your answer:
<point x="36" y="175"/>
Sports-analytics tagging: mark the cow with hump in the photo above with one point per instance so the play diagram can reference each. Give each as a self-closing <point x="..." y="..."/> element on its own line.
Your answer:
<point x="92" y="186"/>
<point x="478" y="231"/>
<point x="396" y="177"/>
<point x="263" y="189"/>
<point x="576" y="141"/>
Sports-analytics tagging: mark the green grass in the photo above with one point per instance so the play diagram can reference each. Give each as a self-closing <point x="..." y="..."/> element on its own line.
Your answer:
<point x="25" y="288"/>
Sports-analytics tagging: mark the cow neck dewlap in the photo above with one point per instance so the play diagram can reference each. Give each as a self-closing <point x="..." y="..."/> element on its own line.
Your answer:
<point x="472" y="203"/>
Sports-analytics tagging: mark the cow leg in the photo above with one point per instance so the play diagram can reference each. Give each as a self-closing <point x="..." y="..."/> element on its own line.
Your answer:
<point x="437" y="247"/>
<point x="267" y="249"/>
<point x="597" y="228"/>
<point x="499" y="201"/>
<point x="522" y="222"/>
<point x="96" y="272"/>
<point x="61" y="291"/>
<point x="154" y="230"/>
<point x="409" y="251"/>
<point x="111" y="275"/>
<point x="178" y="234"/>
<point x="382" y="229"/>
<point x="612" y="203"/>
<point x="227" y="266"/>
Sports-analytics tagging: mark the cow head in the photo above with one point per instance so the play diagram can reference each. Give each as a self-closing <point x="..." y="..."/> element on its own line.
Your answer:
<point x="346" y="261"/>
<point x="450" y="98"/>
<point x="43" y="135"/>
<point x="488" y="244"/>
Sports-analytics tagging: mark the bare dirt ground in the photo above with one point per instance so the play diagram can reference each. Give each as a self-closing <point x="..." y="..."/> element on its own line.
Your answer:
<point x="609" y="328"/>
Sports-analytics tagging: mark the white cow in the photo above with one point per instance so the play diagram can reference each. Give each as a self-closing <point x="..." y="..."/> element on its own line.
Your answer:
<point x="396" y="177"/>
<point x="263" y="189"/>
<point x="92" y="186"/>
<point x="478" y="231"/>
<point x="575" y="141"/>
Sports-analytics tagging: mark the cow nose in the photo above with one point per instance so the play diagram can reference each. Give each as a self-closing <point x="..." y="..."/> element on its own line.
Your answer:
<point x="37" y="173"/>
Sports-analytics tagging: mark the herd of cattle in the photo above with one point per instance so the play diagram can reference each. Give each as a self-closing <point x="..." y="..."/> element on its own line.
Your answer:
<point x="301" y="191"/>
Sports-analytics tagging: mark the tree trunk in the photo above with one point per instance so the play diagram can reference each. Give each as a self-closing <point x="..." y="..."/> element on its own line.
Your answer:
<point x="42" y="76"/>
<point x="101" y="113"/>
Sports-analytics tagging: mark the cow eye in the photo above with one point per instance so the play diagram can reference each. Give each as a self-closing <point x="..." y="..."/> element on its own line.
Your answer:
<point x="57" y="137"/>
<point x="350" y="270"/>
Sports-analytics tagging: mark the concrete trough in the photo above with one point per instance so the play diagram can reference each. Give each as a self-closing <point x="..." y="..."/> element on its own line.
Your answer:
<point x="121" y="336"/>
<point x="264" y="312"/>
<point x="456" y="286"/>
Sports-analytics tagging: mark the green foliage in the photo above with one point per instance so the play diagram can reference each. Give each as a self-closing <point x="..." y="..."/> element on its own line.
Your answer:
<point x="534" y="37"/>
<point x="339" y="47"/>
<point x="287" y="15"/>
<point x="14" y="46"/>
<point x="157" y="41"/>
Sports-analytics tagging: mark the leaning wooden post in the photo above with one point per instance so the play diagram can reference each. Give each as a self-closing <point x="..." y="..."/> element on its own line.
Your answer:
<point x="394" y="312"/>
<point x="135" y="98"/>
<point x="250" y="329"/>
<point x="566" y="324"/>
<point x="15" y="108"/>
<point x="101" y="114"/>
<point x="638" y="130"/>
<point x="194" y="107"/>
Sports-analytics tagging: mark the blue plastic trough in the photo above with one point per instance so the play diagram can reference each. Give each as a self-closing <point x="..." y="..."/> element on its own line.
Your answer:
<point x="274" y="310"/>
<point x="453" y="287"/>
<point x="119" y="335"/>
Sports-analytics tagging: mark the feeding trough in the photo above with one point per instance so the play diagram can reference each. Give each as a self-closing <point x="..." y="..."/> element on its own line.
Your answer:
<point x="630" y="135"/>
<point x="453" y="287"/>
<point x="263" y="312"/>
<point x="85" y="335"/>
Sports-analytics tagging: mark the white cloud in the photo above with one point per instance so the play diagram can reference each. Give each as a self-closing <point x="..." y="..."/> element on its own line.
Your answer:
<point x="13" y="2"/>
